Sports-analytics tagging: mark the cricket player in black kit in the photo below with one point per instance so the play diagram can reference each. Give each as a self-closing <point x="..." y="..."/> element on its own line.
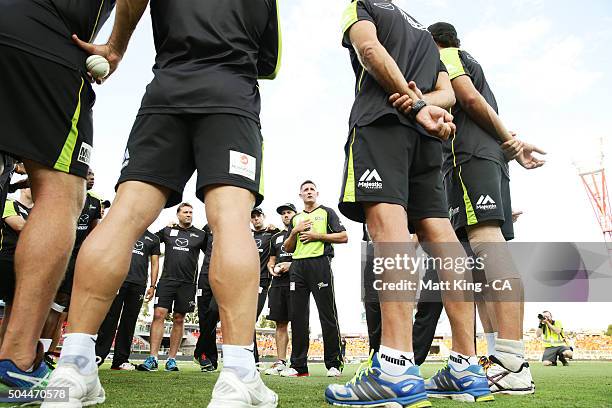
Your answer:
<point x="311" y="235"/>
<point x="477" y="184"/>
<point x="128" y="302"/>
<point x="176" y="290"/>
<point x="392" y="179"/>
<point x="46" y="121"/>
<point x="279" y="300"/>
<point x="204" y="119"/>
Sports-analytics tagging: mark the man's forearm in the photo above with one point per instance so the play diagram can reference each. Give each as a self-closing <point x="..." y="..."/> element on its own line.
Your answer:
<point x="290" y="242"/>
<point x="334" y="238"/>
<point x="443" y="98"/>
<point x="127" y="16"/>
<point x="377" y="61"/>
<point x="154" y="271"/>
<point x="484" y="115"/>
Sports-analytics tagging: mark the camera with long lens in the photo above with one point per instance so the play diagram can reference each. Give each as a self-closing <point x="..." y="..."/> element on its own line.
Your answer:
<point x="541" y="316"/>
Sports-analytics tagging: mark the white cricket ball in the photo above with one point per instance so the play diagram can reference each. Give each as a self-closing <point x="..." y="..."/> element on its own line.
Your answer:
<point x="98" y="66"/>
<point x="277" y="268"/>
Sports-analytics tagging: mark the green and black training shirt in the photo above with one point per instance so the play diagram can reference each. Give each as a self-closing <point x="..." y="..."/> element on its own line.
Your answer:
<point x="470" y="139"/>
<point x="409" y="44"/>
<point x="44" y="27"/>
<point x="210" y="55"/>
<point x="324" y="221"/>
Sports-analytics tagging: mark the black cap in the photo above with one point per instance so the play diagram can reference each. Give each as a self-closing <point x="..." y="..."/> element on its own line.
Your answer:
<point x="286" y="206"/>
<point x="106" y="204"/>
<point x="444" y="34"/>
<point x="257" y="210"/>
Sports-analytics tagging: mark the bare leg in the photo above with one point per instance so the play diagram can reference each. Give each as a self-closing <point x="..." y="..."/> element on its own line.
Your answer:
<point x="176" y="336"/>
<point x="98" y="276"/>
<point x="228" y="212"/>
<point x="507" y="314"/>
<point x="157" y="329"/>
<point x="41" y="257"/>
<point x="387" y="223"/>
<point x="439" y="239"/>
<point x="282" y="339"/>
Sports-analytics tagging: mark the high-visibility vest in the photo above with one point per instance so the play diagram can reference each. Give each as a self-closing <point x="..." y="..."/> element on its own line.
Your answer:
<point x="552" y="339"/>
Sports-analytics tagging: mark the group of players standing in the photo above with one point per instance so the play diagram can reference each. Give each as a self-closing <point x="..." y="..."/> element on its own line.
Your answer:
<point x="406" y="156"/>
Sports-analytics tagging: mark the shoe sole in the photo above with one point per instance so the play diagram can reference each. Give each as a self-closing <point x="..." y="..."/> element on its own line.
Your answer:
<point x="169" y="370"/>
<point x="294" y="376"/>
<point x="382" y="404"/>
<point x="515" y="392"/>
<point x="463" y="397"/>
<point x="240" y="404"/>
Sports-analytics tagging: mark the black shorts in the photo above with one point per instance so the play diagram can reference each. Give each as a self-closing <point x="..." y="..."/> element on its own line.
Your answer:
<point x="166" y="149"/>
<point x="65" y="289"/>
<point x="387" y="162"/>
<point x="181" y="295"/>
<point x="478" y="190"/>
<point x="46" y="112"/>
<point x="279" y="304"/>
<point x="7" y="280"/>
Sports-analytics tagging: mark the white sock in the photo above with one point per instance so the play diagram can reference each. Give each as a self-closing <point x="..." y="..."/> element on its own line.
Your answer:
<point x="240" y="359"/>
<point x="395" y="362"/>
<point x="80" y="349"/>
<point x="46" y="344"/>
<point x="511" y="353"/>
<point x="491" y="337"/>
<point x="460" y="362"/>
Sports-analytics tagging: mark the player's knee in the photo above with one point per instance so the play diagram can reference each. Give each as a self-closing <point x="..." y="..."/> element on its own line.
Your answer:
<point x="485" y="231"/>
<point x="160" y="314"/>
<point x="435" y="230"/>
<point x="178" y="318"/>
<point x="282" y="326"/>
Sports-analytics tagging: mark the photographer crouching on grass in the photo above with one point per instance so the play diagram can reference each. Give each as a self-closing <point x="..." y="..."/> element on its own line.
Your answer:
<point x="555" y="345"/>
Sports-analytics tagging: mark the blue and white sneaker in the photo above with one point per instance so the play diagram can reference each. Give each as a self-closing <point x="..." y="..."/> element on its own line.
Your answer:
<point x="372" y="387"/>
<point x="150" y="364"/>
<point x="171" y="365"/>
<point x="469" y="385"/>
<point x="12" y="376"/>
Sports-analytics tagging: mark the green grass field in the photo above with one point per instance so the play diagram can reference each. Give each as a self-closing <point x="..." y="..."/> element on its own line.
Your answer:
<point x="583" y="384"/>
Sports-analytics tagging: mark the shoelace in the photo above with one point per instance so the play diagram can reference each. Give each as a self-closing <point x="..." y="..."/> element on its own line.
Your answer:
<point x="444" y="368"/>
<point x="364" y="369"/>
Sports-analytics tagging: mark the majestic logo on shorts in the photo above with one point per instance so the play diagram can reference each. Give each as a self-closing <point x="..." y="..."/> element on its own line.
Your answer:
<point x="322" y="285"/>
<point x="485" y="203"/>
<point x="370" y="180"/>
<point x="385" y="6"/>
<point x="85" y="154"/>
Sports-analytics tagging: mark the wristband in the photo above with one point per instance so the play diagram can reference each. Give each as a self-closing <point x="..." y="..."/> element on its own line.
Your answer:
<point x="416" y="108"/>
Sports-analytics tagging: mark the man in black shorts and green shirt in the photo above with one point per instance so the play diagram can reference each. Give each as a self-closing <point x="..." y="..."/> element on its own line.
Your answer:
<point x="311" y="235"/>
<point x="46" y="121"/>
<point x="128" y="302"/>
<point x="279" y="301"/>
<point x="477" y="184"/>
<point x="176" y="289"/>
<point x="204" y="119"/>
<point x="392" y="179"/>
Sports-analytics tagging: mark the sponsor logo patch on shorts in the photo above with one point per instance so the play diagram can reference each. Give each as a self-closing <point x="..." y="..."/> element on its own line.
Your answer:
<point x="85" y="153"/>
<point x="242" y="164"/>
